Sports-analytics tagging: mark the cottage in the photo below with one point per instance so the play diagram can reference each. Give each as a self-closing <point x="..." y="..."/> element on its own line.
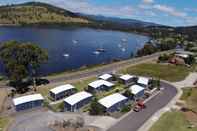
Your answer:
<point x="28" y="102"/>
<point x="126" y="79"/>
<point x="113" y="102"/>
<point x="143" y="81"/>
<point x="76" y="101"/>
<point x="61" y="92"/>
<point x="137" y="91"/>
<point x="106" y="77"/>
<point x="100" y="85"/>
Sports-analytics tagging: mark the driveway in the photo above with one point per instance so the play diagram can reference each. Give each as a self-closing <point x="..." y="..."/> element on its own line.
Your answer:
<point x="134" y="120"/>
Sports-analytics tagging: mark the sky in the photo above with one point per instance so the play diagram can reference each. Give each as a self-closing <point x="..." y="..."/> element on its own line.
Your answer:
<point x="166" y="12"/>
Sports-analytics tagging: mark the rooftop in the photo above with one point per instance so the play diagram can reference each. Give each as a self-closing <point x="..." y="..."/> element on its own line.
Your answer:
<point x="126" y="77"/>
<point x="143" y="80"/>
<point x="98" y="83"/>
<point x="29" y="98"/>
<point x="105" y="76"/>
<point x="62" y="88"/>
<point x="135" y="89"/>
<point x="111" y="100"/>
<point x="74" y="99"/>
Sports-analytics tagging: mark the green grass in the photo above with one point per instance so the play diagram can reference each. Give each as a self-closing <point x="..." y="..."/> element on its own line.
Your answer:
<point x="57" y="107"/>
<point x="167" y="72"/>
<point x="186" y="93"/>
<point x="1" y="78"/>
<point x="190" y="96"/>
<point x="82" y="84"/>
<point x="3" y="123"/>
<point x="172" y="121"/>
<point x="117" y="88"/>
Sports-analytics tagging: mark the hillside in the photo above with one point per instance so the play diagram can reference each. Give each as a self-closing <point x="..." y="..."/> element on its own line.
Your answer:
<point x="34" y="13"/>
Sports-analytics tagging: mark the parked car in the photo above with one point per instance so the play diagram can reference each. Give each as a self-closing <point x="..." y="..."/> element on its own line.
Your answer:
<point x="139" y="106"/>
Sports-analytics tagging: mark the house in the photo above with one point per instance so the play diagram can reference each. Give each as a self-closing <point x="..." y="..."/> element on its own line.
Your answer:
<point x="61" y="91"/>
<point x="106" y="77"/>
<point x="143" y="81"/>
<point x="113" y="102"/>
<point x="100" y="85"/>
<point x="76" y="101"/>
<point x="137" y="91"/>
<point x="127" y="79"/>
<point x="28" y="102"/>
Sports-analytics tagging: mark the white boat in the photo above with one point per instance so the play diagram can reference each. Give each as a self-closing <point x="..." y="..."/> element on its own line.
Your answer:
<point x="66" y="55"/>
<point x="124" y="40"/>
<point x="96" y="52"/>
<point x="74" y="41"/>
<point x="123" y="49"/>
<point x="119" y="45"/>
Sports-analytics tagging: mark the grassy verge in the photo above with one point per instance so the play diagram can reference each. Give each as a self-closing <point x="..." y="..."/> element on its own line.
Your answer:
<point x="57" y="107"/>
<point x="167" y="72"/>
<point x="4" y="121"/>
<point x="3" y="95"/>
<point x="117" y="88"/>
<point x="190" y="96"/>
<point x="80" y="85"/>
<point x="172" y="121"/>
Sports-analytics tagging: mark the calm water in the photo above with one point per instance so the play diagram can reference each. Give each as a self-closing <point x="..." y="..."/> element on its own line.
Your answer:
<point x="72" y="48"/>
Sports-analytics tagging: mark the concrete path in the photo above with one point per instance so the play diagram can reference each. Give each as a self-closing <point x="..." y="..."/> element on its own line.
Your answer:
<point x="188" y="82"/>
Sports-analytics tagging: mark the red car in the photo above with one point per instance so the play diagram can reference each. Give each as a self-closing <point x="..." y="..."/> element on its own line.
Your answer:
<point x="139" y="106"/>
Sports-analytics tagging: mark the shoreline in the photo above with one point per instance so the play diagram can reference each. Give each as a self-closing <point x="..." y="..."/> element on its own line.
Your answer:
<point x="76" y="25"/>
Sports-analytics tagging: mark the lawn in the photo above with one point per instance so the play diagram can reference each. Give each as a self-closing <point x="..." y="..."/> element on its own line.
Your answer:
<point x="82" y="84"/>
<point x="118" y="88"/>
<point x="190" y="96"/>
<point x="167" y="72"/>
<point x="172" y="121"/>
<point x="3" y="95"/>
<point x="3" y="123"/>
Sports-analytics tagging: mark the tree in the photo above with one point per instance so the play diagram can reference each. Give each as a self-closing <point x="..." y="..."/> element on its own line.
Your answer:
<point x="128" y="93"/>
<point x="96" y="108"/>
<point x="190" y="60"/>
<point x="21" y="60"/>
<point x="148" y="49"/>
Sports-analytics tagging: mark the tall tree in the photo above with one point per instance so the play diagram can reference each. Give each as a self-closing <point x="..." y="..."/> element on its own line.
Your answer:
<point x="21" y="60"/>
<point x="96" y="108"/>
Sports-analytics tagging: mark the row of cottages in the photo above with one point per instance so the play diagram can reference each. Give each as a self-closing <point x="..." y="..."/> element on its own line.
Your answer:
<point x="28" y="102"/>
<point x="129" y="80"/>
<point x="100" y="85"/>
<point x="61" y="92"/>
<point x="76" y="101"/>
<point x="113" y="102"/>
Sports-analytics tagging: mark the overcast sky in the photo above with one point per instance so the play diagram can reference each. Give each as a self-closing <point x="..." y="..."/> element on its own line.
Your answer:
<point x="167" y="12"/>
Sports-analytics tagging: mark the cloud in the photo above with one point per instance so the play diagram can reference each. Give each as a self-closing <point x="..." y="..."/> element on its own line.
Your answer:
<point x="169" y="10"/>
<point x="83" y="6"/>
<point x="148" y="1"/>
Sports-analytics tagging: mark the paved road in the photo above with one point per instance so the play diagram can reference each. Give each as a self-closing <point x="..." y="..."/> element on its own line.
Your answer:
<point x="135" y="120"/>
<point x="107" y="68"/>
